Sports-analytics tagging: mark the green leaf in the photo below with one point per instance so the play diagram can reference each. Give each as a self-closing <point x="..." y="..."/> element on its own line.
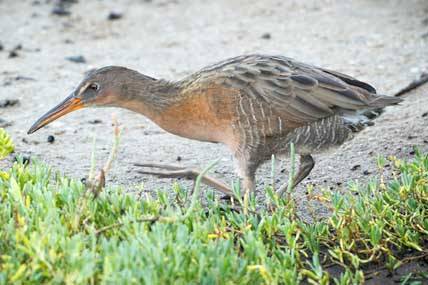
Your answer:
<point x="6" y="144"/>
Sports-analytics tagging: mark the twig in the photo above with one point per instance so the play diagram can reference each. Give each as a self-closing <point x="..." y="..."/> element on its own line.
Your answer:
<point x="290" y="183"/>
<point x="371" y="273"/>
<point x="92" y="168"/>
<point x="292" y="169"/>
<point x="96" y="184"/>
<point x="413" y="85"/>
<point x="272" y="174"/>
<point x="113" y="152"/>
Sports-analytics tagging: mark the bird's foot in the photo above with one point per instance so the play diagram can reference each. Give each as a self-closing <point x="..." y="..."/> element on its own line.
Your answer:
<point x="175" y="171"/>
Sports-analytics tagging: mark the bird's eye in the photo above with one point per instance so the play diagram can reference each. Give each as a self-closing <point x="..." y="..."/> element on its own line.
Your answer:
<point x="94" y="86"/>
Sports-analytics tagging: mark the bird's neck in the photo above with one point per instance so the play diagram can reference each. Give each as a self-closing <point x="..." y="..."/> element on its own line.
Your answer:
<point x="151" y="97"/>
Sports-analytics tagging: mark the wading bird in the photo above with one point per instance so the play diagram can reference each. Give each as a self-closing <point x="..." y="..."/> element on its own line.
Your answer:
<point x="255" y="104"/>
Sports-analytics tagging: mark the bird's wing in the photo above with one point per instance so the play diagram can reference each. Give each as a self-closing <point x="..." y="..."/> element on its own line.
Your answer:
<point x="298" y="92"/>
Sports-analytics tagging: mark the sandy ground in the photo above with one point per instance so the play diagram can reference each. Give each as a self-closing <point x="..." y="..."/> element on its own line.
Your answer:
<point x="382" y="42"/>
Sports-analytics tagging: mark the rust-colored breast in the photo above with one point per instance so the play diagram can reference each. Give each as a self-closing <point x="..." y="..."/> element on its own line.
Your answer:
<point x="204" y="113"/>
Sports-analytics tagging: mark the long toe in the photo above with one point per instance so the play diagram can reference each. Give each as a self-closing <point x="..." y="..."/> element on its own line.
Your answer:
<point x="160" y="165"/>
<point x="185" y="173"/>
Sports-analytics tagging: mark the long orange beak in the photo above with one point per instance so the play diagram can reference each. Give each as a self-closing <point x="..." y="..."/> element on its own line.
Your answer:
<point x="70" y="104"/>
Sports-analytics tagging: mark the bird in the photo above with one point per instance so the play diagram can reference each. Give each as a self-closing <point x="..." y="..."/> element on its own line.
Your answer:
<point x="257" y="105"/>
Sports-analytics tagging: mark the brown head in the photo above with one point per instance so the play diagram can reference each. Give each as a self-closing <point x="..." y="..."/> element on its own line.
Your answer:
<point x="113" y="86"/>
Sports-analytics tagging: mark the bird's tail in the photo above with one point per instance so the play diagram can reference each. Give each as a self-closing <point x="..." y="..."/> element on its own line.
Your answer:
<point x="357" y="121"/>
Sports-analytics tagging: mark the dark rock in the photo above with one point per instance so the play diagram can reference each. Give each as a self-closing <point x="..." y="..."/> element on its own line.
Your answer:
<point x="266" y="36"/>
<point x="96" y="121"/>
<point x="424" y="114"/>
<point x="60" y="10"/>
<point x="20" y="77"/>
<point x="366" y="172"/>
<point x="178" y="158"/>
<point x="76" y="59"/>
<point x="8" y="103"/>
<point x="114" y="16"/>
<point x="410" y="137"/>
<point x="13" y="53"/>
<point x="355" y="167"/>
<point x="51" y="139"/>
<point x="62" y="7"/>
<point x="1" y="47"/>
<point x="412" y="152"/>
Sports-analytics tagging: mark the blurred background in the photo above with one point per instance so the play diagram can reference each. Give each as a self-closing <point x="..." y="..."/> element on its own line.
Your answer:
<point x="47" y="46"/>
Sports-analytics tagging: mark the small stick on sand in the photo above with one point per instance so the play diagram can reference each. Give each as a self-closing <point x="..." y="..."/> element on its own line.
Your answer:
<point x="413" y="85"/>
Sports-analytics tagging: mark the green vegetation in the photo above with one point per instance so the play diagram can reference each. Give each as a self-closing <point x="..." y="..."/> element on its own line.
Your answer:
<point x="6" y="144"/>
<point x="56" y="231"/>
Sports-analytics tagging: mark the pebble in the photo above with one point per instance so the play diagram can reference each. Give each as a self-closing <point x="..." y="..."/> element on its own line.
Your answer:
<point x="366" y="172"/>
<point x="355" y="167"/>
<point x="60" y="11"/>
<point x="51" y="139"/>
<point x="96" y="121"/>
<point x="266" y="36"/>
<point x="8" y="103"/>
<point x="20" y="77"/>
<point x="76" y="59"/>
<point x="13" y="54"/>
<point x="61" y="7"/>
<point x="178" y="158"/>
<point x="114" y="16"/>
<point x="424" y="114"/>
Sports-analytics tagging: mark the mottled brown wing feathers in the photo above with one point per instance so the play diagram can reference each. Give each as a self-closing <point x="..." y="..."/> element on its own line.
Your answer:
<point x="299" y="92"/>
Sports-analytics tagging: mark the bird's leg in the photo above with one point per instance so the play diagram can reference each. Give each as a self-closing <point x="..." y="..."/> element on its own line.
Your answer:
<point x="307" y="163"/>
<point x="175" y="171"/>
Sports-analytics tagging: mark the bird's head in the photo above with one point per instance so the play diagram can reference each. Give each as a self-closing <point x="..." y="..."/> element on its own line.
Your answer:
<point x="106" y="86"/>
